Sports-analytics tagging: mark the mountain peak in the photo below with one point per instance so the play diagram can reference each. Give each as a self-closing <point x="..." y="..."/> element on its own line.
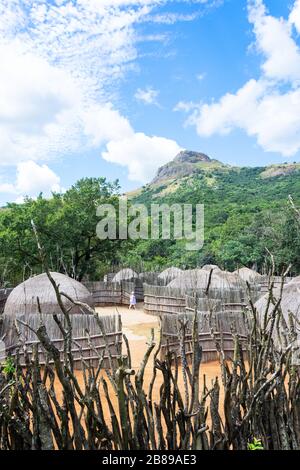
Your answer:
<point x="188" y="156"/>
<point x="186" y="163"/>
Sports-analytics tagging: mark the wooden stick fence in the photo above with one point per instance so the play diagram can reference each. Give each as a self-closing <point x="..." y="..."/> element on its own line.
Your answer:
<point x="115" y="293"/>
<point x="163" y="300"/>
<point x="263" y="283"/>
<point x="135" y="286"/>
<point x="105" y="293"/>
<point x="91" y="339"/>
<point x="222" y="324"/>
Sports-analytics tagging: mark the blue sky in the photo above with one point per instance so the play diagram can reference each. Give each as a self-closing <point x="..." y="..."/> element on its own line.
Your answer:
<point x="116" y="88"/>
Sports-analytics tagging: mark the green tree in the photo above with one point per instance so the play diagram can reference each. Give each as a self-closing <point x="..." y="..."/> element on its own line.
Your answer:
<point x="67" y="227"/>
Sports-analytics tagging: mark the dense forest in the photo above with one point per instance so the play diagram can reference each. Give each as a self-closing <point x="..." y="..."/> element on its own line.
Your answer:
<point x="246" y="214"/>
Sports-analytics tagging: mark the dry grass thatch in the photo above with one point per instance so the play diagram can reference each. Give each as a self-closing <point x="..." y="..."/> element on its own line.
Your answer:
<point x="295" y="281"/>
<point x="289" y="305"/>
<point x="198" y="279"/>
<point x="83" y="326"/>
<point x="248" y="275"/>
<point x="150" y="277"/>
<point x="169" y="274"/>
<point x="23" y="299"/>
<point x="209" y="267"/>
<point x="125" y="274"/>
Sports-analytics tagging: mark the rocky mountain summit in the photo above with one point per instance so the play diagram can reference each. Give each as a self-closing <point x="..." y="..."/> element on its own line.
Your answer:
<point x="188" y="156"/>
<point x="185" y="163"/>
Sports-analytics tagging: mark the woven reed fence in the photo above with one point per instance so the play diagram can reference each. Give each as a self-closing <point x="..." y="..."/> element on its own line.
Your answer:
<point x="105" y="293"/>
<point x="222" y="323"/>
<point x="115" y="293"/>
<point x="135" y="286"/>
<point x="231" y="303"/>
<point x="163" y="300"/>
<point x="91" y="338"/>
<point x="160" y="300"/>
<point x="263" y="283"/>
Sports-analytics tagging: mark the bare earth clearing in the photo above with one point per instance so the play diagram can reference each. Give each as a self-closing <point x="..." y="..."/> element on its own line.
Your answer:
<point x="137" y="327"/>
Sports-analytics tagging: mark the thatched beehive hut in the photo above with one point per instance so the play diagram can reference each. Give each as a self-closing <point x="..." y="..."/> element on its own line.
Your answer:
<point x="198" y="279"/>
<point x="248" y="275"/>
<point x="166" y="276"/>
<point x="209" y="267"/>
<point x="21" y="308"/>
<point x="23" y="298"/>
<point x="125" y="274"/>
<point x="228" y="287"/>
<point x="150" y="277"/>
<point x="290" y="304"/>
<point x="294" y="281"/>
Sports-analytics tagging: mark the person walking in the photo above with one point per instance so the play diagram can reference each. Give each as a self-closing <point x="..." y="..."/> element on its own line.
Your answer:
<point x="132" y="301"/>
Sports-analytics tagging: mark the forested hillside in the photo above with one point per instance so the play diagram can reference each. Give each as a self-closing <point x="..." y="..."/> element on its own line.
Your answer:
<point x="246" y="212"/>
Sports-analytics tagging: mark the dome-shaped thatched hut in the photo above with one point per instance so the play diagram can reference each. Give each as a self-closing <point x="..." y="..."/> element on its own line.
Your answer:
<point x="295" y="280"/>
<point x="248" y="275"/>
<point x="228" y="287"/>
<point x="126" y="274"/>
<point x="23" y="298"/>
<point x="290" y="303"/>
<point x="198" y="279"/>
<point x="209" y="267"/>
<point x="21" y="309"/>
<point x="169" y="274"/>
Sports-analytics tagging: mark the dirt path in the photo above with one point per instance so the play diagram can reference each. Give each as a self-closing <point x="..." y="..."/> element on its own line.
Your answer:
<point x="137" y="327"/>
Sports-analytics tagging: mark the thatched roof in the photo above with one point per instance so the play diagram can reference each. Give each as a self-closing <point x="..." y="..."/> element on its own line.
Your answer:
<point x="247" y="274"/>
<point x="125" y="274"/>
<point x="23" y="298"/>
<point x="209" y="267"/>
<point x="198" y="279"/>
<point x="290" y="301"/>
<point x="295" y="280"/>
<point x="170" y="273"/>
<point x="149" y="277"/>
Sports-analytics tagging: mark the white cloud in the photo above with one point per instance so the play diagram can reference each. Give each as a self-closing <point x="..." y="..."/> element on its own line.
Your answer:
<point x="294" y="17"/>
<point x="138" y="152"/>
<point x="231" y="111"/>
<point x="147" y="96"/>
<point x="32" y="179"/>
<point x="7" y="188"/>
<point x="141" y="154"/>
<point x="57" y="63"/>
<point x="274" y="40"/>
<point x="263" y="107"/>
<point x="37" y="106"/>
<point x="61" y="63"/>
<point x="32" y="92"/>
<point x="103" y="123"/>
<point x="185" y="106"/>
<point x="171" y="18"/>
